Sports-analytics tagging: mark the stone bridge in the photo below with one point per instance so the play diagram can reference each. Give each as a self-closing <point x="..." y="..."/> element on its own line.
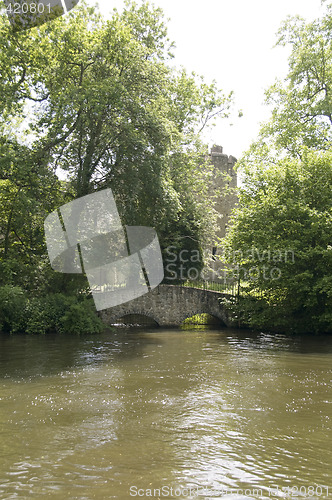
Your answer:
<point x="170" y="305"/>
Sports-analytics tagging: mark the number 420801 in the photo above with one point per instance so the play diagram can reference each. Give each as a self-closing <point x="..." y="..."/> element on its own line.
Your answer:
<point x="31" y="8"/>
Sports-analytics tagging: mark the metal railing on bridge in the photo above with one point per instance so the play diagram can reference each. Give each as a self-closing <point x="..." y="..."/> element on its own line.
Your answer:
<point x="235" y="288"/>
<point x="215" y="286"/>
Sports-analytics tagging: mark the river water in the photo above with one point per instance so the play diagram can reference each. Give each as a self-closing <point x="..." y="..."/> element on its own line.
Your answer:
<point x="165" y="414"/>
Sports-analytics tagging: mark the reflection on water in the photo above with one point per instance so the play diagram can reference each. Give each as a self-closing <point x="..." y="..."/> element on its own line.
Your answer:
<point x="92" y="417"/>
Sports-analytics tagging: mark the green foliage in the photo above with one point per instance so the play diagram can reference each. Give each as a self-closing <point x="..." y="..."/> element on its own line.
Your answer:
<point x="56" y="313"/>
<point x="99" y="99"/>
<point x="81" y="318"/>
<point x="38" y="317"/>
<point x="302" y="112"/>
<point x="27" y="194"/>
<point x="301" y="104"/>
<point x="12" y="309"/>
<point x="280" y="243"/>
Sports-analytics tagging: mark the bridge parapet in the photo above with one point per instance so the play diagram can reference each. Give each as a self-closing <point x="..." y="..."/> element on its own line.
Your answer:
<point x="170" y="305"/>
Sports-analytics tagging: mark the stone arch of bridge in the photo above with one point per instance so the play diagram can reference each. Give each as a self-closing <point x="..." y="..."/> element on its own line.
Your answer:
<point x="136" y="312"/>
<point x="213" y="317"/>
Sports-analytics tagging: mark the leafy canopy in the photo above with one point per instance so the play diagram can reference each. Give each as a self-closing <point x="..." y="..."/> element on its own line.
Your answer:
<point x="279" y="242"/>
<point x="98" y="100"/>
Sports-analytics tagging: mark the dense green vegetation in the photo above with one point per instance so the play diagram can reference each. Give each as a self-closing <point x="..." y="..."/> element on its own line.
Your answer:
<point x="280" y="242"/>
<point x="98" y="100"/>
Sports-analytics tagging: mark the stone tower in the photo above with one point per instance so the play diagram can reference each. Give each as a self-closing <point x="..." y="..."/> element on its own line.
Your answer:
<point x="225" y="178"/>
<point x="225" y="182"/>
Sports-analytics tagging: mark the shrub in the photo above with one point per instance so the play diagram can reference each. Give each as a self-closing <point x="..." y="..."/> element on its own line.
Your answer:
<point x="81" y="318"/>
<point x="12" y="309"/>
<point x="57" y="313"/>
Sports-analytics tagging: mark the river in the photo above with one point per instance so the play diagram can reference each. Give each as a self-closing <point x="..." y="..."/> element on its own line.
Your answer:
<point x="195" y="413"/>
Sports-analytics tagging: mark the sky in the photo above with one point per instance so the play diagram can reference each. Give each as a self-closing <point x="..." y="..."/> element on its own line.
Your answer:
<point x="231" y="42"/>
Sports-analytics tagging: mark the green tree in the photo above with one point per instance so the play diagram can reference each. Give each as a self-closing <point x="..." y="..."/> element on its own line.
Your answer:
<point x="302" y="103"/>
<point x="279" y="244"/>
<point x="280" y="239"/>
<point x="27" y="195"/>
<point x="99" y="99"/>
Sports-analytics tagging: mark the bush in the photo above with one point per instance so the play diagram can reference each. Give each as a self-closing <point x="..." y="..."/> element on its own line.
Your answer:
<point x="12" y="309"/>
<point x="57" y="313"/>
<point x="81" y="318"/>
